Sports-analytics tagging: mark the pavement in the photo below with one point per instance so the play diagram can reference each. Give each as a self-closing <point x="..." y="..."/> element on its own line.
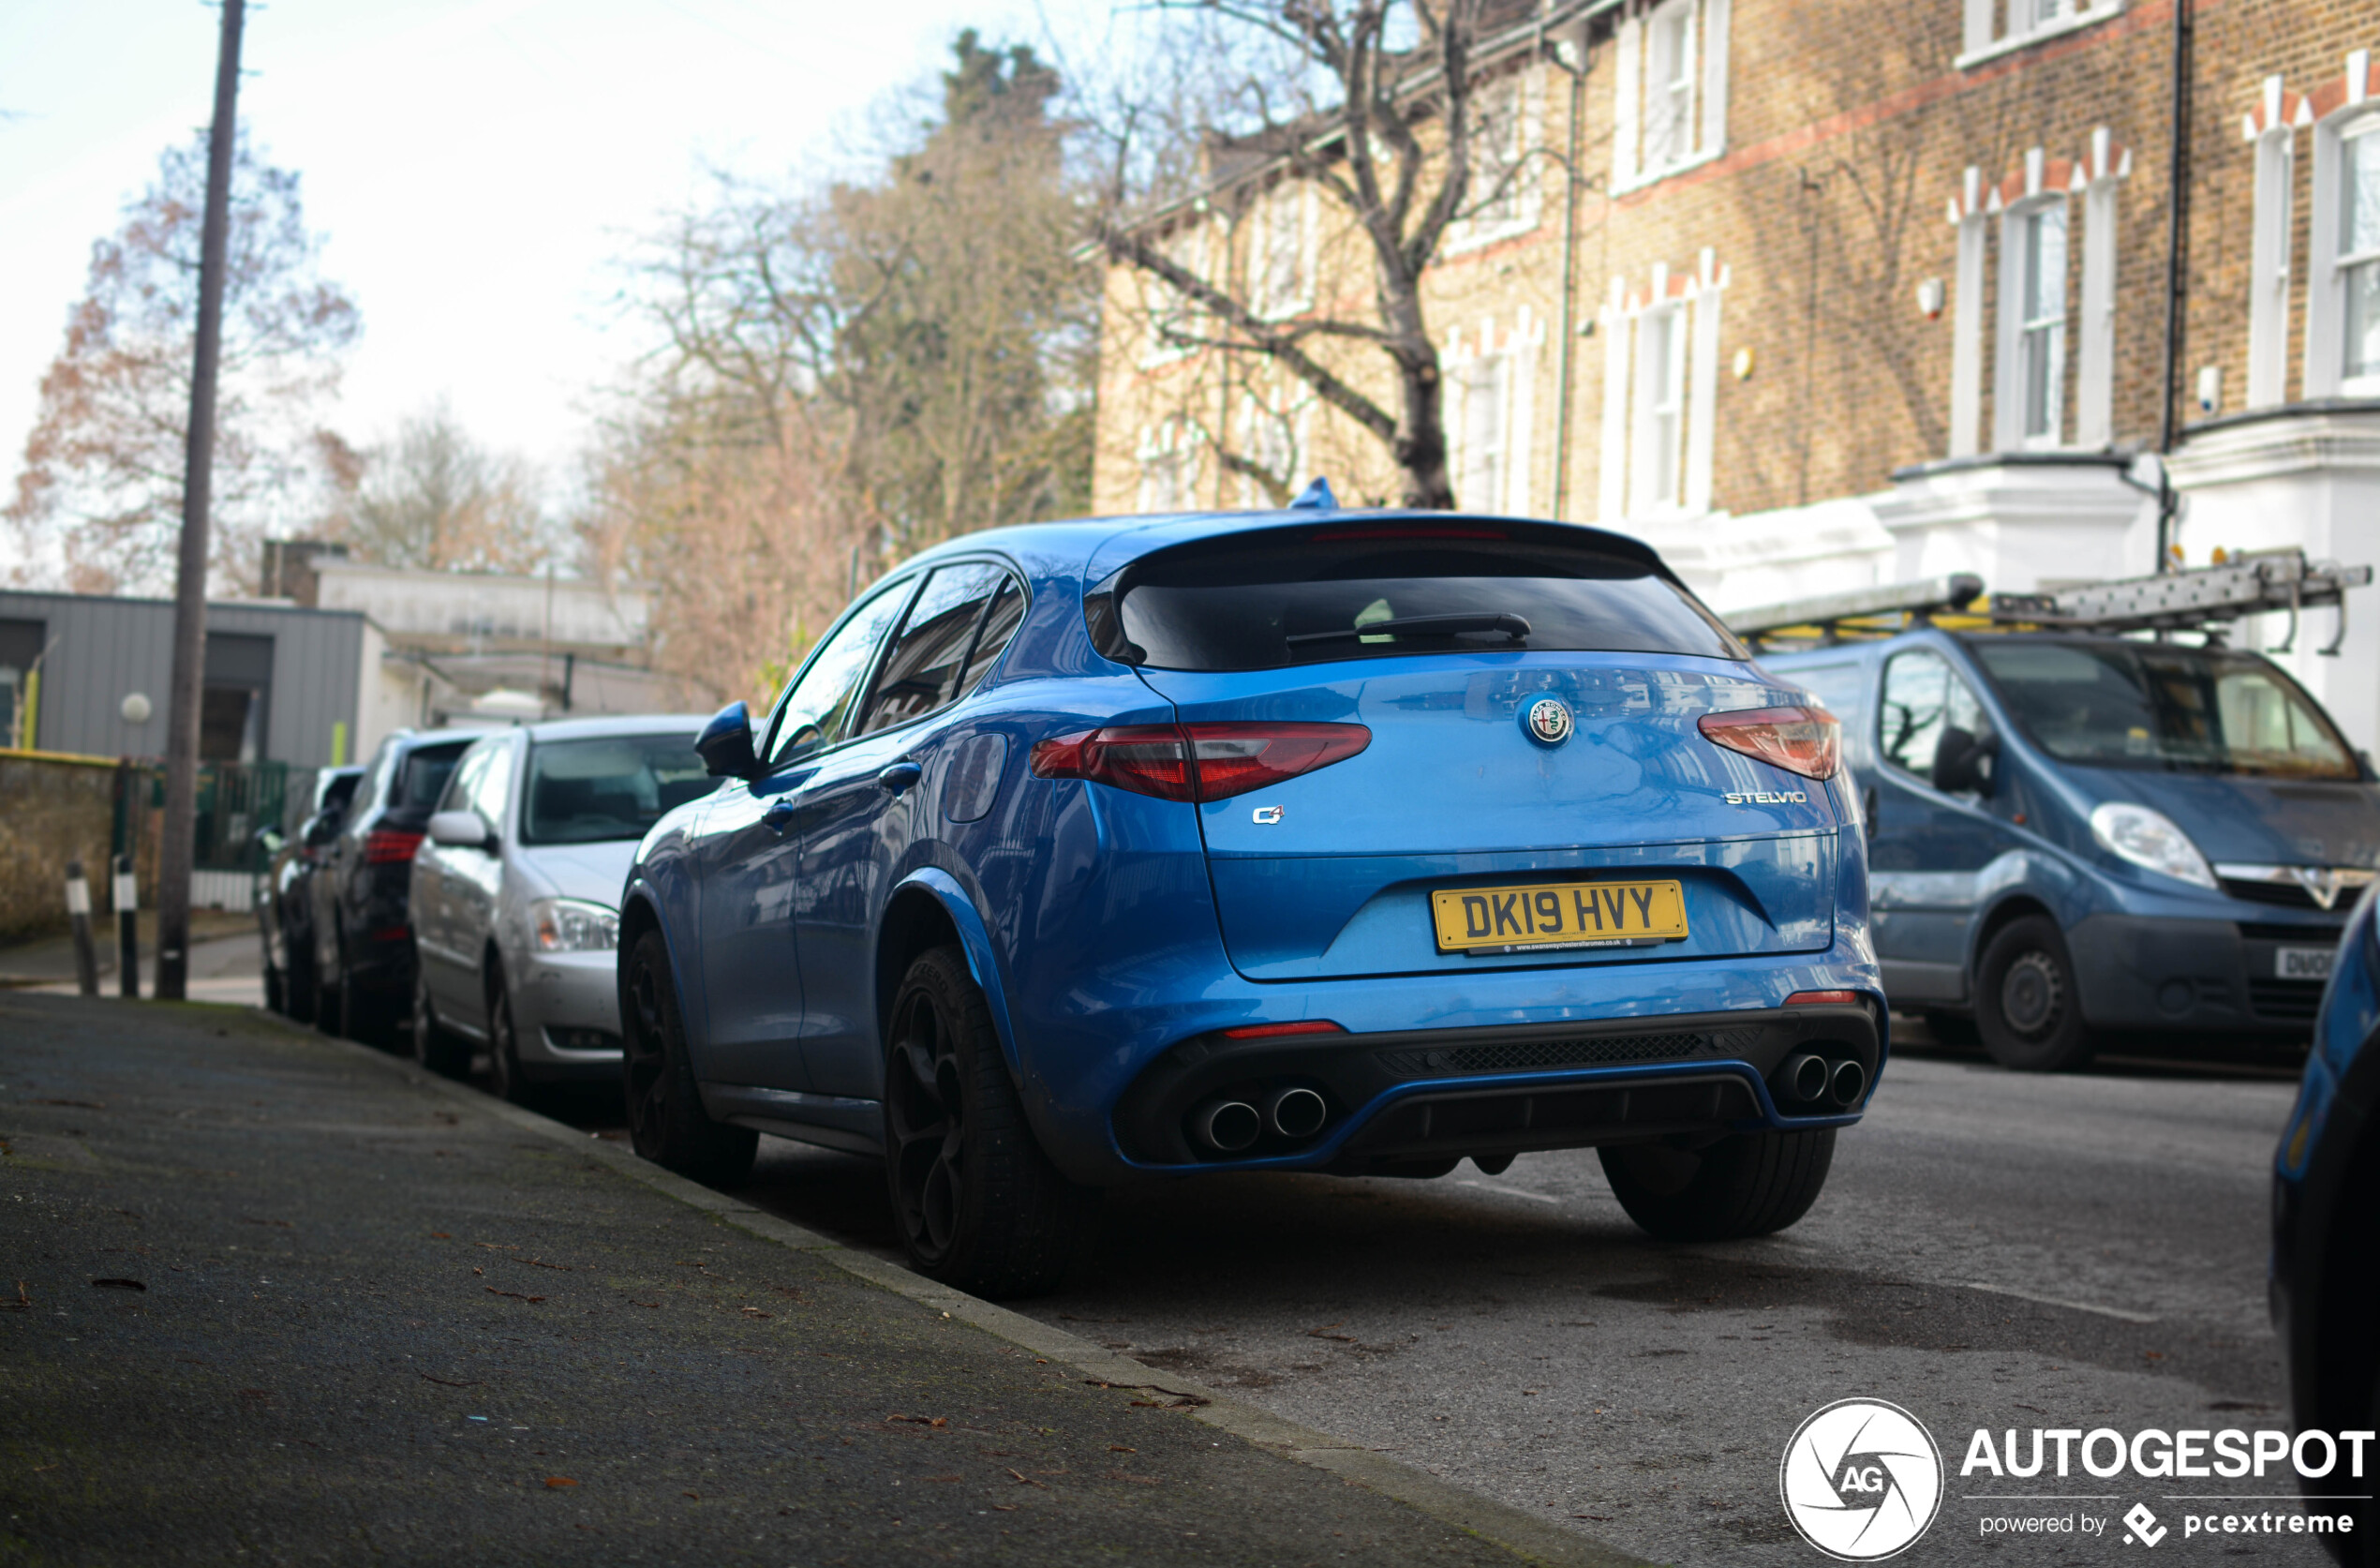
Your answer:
<point x="1993" y="1250"/>
<point x="272" y="1297"/>
<point x="226" y="958"/>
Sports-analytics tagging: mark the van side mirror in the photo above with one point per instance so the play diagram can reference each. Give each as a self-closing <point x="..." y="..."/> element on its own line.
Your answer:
<point x="1964" y="761"/>
<point x="725" y="744"/>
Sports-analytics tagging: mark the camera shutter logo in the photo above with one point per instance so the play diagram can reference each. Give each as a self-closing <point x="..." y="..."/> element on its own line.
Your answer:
<point x="1861" y="1480"/>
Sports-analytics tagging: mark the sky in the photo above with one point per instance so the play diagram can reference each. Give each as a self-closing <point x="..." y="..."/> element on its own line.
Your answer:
<point x="477" y="169"/>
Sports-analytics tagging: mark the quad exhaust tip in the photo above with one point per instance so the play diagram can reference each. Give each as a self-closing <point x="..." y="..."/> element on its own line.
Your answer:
<point x="1848" y="1082"/>
<point x="1804" y="1076"/>
<point x="1295" y="1113"/>
<point x="1229" y="1125"/>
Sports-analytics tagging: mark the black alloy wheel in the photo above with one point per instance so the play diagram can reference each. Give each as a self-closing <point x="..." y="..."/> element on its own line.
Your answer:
<point x="505" y="1074"/>
<point x="2027" y="1006"/>
<point x="435" y="1047"/>
<point x="980" y="1205"/>
<point x="1749" y="1184"/>
<point x="666" y="1123"/>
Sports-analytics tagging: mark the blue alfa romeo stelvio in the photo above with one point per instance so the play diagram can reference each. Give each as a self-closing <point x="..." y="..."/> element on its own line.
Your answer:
<point x="1089" y="852"/>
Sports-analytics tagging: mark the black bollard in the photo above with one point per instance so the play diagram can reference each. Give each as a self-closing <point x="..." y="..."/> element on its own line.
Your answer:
<point x="86" y="961"/>
<point x="128" y="926"/>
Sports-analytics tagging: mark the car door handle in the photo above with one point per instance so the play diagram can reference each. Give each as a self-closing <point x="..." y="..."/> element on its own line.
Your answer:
<point x="779" y="817"/>
<point x="900" y="776"/>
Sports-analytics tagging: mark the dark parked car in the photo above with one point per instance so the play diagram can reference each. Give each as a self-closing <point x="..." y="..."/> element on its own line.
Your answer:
<point x="1088" y="853"/>
<point x="285" y="901"/>
<point x="363" y="937"/>
<point x="2326" y="1273"/>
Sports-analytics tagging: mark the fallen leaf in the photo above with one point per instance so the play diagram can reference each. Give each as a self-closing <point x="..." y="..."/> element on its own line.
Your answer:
<point x="1599" y="1518"/>
<point x="440" y="1236"/>
<point x="916" y="1420"/>
<point x="1324" y="1333"/>
<point x="1004" y="1507"/>
<point x="2152" y="1356"/>
<point x="114" y="1285"/>
<point x="696" y="1496"/>
<point x="249" y="1220"/>
<point x="1119" y="1448"/>
<point x="560" y="1481"/>
<point x="448" y="1383"/>
<point x="942" y="1478"/>
<point x="540" y="1262"/>
<point x="654" y="1305"/>
<point x="514" y="1294"/>
<point x="1024" y="1480"/>
<point x="22" y="1302"/>
<point x="77" y="1104"/>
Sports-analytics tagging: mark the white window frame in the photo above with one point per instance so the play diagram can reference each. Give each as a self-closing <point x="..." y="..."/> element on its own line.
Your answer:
<point x="1491" y="467"/>
<point x="2010" y="403"/>
<point x="1188" y="246"/>
<point x="2028" y="22"/>
<point x="1661" y="396"/>
<point x="1170" y="447"/>
<point x="2094" y="347"/>
<point x="1967" y="318"/>
<point x="1669" y="113"/>
<point x="1273" y="440"/>
<point x="1521" y="208"/>
<point x="2274" y="140"/>
<point x="2326" y="370"/>
<point x="1285" y="209"/>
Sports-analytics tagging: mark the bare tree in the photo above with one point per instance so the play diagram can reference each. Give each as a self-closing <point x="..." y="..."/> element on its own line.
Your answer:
<point x="433" y="496"/>
<point x="1376" y="105"/>
<point x="98" y="499"/>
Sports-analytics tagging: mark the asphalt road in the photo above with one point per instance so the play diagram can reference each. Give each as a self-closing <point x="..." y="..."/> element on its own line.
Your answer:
<point x="1992" y="1250"/>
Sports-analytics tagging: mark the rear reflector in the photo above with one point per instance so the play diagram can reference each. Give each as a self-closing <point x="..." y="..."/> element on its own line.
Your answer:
<point x="392" y="933"/>
<point x="1305" y="1026"/>
<point x="1823" y="999"/>
<point x="1198" y="762"/>
<point x="387" y="845"/>
<point x="1804" y="741"/>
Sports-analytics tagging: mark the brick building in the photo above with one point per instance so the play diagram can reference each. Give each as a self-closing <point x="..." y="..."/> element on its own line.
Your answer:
<point x="1855" y="293"/>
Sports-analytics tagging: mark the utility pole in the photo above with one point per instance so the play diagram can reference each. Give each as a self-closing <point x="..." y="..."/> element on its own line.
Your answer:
<point x="189" y="582"/>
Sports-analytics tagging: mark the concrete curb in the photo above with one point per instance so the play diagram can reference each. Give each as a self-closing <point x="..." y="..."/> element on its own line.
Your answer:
<point x="1516" y="1531"/>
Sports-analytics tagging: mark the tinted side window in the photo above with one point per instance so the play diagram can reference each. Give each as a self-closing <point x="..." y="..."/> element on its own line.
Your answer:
<point x="1000" y="625"/>
<point x="421" y="778"/>
<point x="922" y="669"/>
<point x="1923" y="697"/>
<point x="818" y="704"/>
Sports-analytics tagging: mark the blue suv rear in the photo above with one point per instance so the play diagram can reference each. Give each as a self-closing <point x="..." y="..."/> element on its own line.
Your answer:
<point x="1089" y="852"/>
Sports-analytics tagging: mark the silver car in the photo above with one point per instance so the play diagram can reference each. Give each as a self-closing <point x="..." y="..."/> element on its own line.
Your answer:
<point x="516" y="895"/>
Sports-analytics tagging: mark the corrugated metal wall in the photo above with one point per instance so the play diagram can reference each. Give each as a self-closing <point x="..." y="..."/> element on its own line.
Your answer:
<point x="99" y="649"/>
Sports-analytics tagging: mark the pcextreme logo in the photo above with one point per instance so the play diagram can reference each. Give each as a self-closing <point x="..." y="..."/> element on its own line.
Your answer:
<point x="1861" y="1479"/>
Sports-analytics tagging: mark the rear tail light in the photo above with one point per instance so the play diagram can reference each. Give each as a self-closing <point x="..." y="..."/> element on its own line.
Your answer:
<point x="1823" y="999"/>
<point x="1804" y="741"/>
<point x="384" y="846"/>
<point x="1198" y="762"/>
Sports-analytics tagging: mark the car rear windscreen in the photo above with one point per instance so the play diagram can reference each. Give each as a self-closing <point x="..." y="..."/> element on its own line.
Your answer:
<point x="1270" y="601"/>
<point x="422" y="778"/>
<point x="609" y="787"/>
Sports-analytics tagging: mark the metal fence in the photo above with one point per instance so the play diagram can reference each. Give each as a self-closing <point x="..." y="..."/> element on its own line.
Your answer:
<point x="235" y="800"/>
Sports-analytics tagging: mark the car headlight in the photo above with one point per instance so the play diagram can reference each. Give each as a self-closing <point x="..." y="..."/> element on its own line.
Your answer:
<point x="2150" y="840"/>
<point x="569" y="925"/>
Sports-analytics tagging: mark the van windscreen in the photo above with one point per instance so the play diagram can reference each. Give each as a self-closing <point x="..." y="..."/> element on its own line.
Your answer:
<point x="1265" y="602"/>
<point x="2153" y="705"/>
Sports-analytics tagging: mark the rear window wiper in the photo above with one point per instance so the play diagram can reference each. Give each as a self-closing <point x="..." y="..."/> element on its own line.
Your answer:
<point x="1513" y="626"/>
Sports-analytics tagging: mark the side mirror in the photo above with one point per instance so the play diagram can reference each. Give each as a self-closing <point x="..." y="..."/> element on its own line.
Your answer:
<point x="1963" y="761"/>
<point x="725" y="744"/>
<point x="460" y="831"/>
<point x="269" y="838"/>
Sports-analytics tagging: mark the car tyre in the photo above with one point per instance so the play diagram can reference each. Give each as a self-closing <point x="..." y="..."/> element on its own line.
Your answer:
<point x="297" y="987"/>
<point x="435" y="1047"/>
<point x="978" y="1203"/>
<point x="2027" y="1008"/>
<point x="328" y="996"/>
<point x="506" y="1077"/>
<point x="277" y="997"/>
<point x="1750" y="1184"/>
<point x="666" y="1123"/>
<point x="359" y="1018"/>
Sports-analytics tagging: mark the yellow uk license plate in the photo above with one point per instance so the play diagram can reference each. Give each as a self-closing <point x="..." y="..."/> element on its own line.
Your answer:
<point x="1559" y="914"/>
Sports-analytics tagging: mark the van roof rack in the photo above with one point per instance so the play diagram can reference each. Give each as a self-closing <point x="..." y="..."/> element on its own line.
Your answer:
<point x="1860" y="612"/>
<point x="2199" y="599"/>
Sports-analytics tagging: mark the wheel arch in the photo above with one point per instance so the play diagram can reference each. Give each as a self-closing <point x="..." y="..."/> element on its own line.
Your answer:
<point x="929" y="909"/>
<point x="2002" y="913"/>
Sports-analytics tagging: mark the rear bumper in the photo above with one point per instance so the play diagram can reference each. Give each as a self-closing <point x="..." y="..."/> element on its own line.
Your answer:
<point x="1412" y="1095"/>
<point x="2156" y="972"/>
